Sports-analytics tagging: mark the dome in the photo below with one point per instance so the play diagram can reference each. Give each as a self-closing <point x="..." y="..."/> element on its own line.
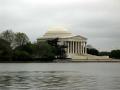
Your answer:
<point x="57" y="32"/>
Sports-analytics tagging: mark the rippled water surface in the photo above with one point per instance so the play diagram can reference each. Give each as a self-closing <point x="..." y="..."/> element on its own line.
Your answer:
<point x="60" y="76"/>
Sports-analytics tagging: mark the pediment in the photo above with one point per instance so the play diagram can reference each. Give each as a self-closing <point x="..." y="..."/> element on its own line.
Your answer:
<point x="79" y="37"/>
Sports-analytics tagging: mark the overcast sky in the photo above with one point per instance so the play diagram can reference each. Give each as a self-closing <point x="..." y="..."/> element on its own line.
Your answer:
<point x="97" y="20"/>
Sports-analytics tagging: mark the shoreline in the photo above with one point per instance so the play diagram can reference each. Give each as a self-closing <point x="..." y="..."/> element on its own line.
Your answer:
<point x="67" y="61"/>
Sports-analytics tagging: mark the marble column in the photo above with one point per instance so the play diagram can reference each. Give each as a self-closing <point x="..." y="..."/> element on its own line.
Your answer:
<point x="73" y="47"/>
<point x="68" y="46"/>
<point x="85" y="48"/>
<point x="81" y="47"/>
<point x="64" y="43"/>
<point x="78" y="47"/>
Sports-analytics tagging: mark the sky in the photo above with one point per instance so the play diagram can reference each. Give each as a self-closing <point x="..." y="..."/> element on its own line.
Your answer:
<point x="97" y="20"/>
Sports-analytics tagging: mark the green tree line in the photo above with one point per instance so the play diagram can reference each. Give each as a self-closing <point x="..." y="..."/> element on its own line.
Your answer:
<point x="17" y="47"/>
<point x="115" y="54"/>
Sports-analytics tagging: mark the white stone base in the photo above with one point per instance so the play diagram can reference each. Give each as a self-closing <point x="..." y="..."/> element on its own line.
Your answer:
<point x="88" y="57"/>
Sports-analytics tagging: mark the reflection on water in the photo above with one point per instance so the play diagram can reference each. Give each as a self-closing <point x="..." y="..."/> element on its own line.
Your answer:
<point x="56" y="80"/>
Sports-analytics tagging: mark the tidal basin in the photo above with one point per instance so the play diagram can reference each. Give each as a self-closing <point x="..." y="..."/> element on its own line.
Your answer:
<point x="60" y="76"/>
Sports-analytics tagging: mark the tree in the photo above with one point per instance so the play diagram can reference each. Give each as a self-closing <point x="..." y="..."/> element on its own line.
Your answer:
<point x="24" y="52"/>
<point x="61" y="53"/>
<point x="5" y="49"/>
<point x="58" y="48"/>
<point x="105" y="53"/>
<point x="90" y="46"/>
<point x="21" y="39"/>
<point x="9" y="36"/>
<point x="53" y="42"/>
<point x="29" y="48"/>
<point x="21" y="55"/>
<point x="44" y="51"/>
<point x="115" y="54"/>
<point x="92" y="51"/>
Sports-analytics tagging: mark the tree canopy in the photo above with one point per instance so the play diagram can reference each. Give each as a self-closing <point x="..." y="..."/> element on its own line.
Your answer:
<point x="115" y="54"/>
<point x="5" y="49"/>
<point x="9" y="36"/>
<point x="21" y="39"/>
<point x="44" y="50"/>
<point x="59" y="49"/>
<point x="92" y="51"/>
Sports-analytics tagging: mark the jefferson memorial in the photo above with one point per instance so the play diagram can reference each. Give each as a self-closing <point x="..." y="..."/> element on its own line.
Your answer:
<point x="76" y="44"/>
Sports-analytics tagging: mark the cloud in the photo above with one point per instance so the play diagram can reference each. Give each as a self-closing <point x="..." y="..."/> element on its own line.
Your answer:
<point x="98" y="20"/>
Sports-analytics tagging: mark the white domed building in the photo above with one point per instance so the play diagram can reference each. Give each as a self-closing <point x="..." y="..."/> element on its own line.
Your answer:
<point x="76" y="44"/>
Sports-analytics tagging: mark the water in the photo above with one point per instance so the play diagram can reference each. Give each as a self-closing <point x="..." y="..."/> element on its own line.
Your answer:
<point x="60" y="76"/>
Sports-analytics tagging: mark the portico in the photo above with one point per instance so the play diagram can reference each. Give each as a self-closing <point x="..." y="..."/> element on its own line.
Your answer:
<point x="75" y="45"/>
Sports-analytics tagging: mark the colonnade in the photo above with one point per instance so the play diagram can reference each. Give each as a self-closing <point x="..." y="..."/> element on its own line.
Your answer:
<point x="76" y="47"/>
